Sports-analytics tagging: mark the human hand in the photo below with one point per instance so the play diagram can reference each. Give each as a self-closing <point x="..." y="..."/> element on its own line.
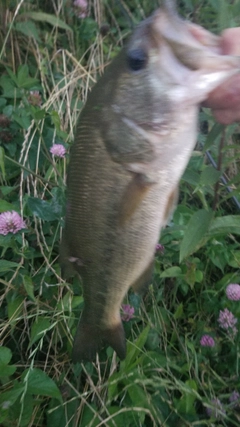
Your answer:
<point x="225" y="100"/>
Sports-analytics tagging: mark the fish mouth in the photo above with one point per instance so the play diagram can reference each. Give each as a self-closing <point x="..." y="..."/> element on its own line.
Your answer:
<point x="192" y="45"/>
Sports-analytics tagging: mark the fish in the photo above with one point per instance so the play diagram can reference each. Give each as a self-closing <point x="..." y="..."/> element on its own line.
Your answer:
<point x="133" y="141"/>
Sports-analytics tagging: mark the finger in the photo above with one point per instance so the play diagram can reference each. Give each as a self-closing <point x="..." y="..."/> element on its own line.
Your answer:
<point x="226" y="117"/>
<point x="230" y="41"/>
<point x="226" y="96"/>
<point x="205" y="37"/>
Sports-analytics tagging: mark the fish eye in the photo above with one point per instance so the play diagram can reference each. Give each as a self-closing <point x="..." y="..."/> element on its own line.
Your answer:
<point x="136" y="59"/>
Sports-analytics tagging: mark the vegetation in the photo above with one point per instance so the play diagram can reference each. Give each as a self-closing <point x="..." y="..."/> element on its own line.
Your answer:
<point x="182" y="365"/>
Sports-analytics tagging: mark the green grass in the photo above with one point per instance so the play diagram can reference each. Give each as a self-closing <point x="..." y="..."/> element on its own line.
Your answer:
<point x="168" y="378"/>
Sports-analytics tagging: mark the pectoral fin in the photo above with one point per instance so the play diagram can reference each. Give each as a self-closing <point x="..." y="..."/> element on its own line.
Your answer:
<point x="134" y="194"/>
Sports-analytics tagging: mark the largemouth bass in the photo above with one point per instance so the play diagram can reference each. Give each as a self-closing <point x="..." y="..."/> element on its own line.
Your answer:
<point x="133" y="141"/>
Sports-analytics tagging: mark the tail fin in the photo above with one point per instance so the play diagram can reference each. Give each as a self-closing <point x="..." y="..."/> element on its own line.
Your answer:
<point x="90" y="338"/>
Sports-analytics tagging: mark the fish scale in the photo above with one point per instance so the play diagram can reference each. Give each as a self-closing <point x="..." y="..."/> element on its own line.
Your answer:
<point x="134" y="138"/>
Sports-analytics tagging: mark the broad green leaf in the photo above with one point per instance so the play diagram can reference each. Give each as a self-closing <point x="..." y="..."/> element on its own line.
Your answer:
<point x="126" y="418"/>
<point x="23" y="120"/>
<point x="90" y="416"/>
<point x="153" y="340"/>
<point x="225" y="225"/>
<point x="234" y="261"/>
<point x="58" y="418"/>
<point x="4" y="413"/>
<point x="29" y="287"/>
<point x="209" y="176"/>
<point x="23" y="413"/>
<point x="192" y="385"/>
<point x="172" y="272"/>
<point x="135" y="349"/>
<point x="7" y="265"/>
<point x="58" y="201"/>
<point x="2" y="102"/>
<point x="8" y="110"/>
<point x="12" y="395"/>
<point x="22" y="74"/>
<point x="198" y="276"/>
<point x="138" y="396"/>
<point x="12" y="75"/>
<point x="139" y="343"/>
<point x="5" y="206"/>
<point x="114" y="384"/>
<point x="39" y="114"/>
<point x="69" y="302"/>
<point x="46" y="17"/>
<point x="135" y="300"/>
<point x="29" y="83"/>
<point x="38" y="382"/>
<point x="76" y="301"/>
<point x="2" y="163"/>
<point x="179" y="311"/>
<point x="5" y="355"/>
<point x="23" y="78"/>
<point x="6" y="241"/>
<point x="59" y="415"/>
<point x="9" y="88"/>
<point x="7" y="370"/>
<point x="29" y="29"/>
<point x="42" y="209"/>
<point x="15" y="309"/>
<point x="155" y="358"/>
<point x="6" y="189"/>
<point x="191" y="177"/>
<point x="186" y="403"/>
<point x="214" y="133"/>
<point x="39" y="328"/>
<point x="195" y="231"/>
<point x="56" y="121"/>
